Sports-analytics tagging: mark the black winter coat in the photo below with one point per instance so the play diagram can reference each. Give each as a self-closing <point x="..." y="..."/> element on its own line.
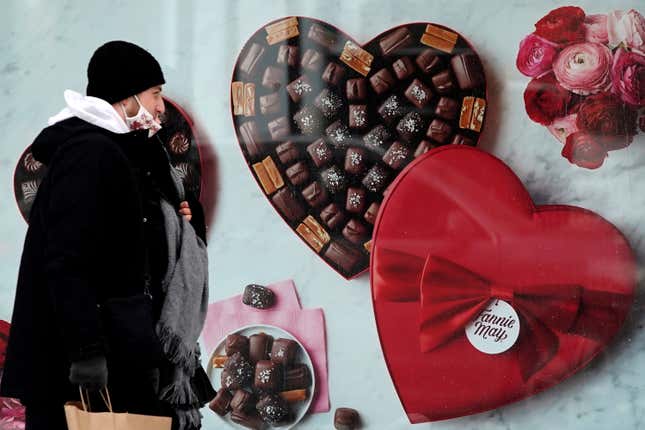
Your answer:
<point x="95" y="214"/>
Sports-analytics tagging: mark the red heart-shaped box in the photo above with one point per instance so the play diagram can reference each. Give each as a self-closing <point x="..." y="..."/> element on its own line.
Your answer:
<point x="462" y="205"/>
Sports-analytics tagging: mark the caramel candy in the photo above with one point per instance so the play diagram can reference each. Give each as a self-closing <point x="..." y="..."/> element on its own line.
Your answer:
<point x="372" y="212"/>
<point x="268" y="175"/>
<point x="283" y="34"/>
<point x="310" y="237"/>
<point x="368" y="245"/>
<point x="356" y="58"/>
<point x="249" y="99"/>
<point x="317" y="229"/>
<point x="219" y="360"/>
<point x="294" y="396"/>
<point x="472" y="113"/>
<point x="437" y="37"/>
<point x="283" y="24"/>
<point x="237" y="96"/>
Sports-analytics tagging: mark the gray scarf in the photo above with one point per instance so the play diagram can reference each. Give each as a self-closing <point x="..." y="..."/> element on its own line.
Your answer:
<point x="183" y="313"/>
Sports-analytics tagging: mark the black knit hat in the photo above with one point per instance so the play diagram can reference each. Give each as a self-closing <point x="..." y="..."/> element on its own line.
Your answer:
<point x="118" y="70"/>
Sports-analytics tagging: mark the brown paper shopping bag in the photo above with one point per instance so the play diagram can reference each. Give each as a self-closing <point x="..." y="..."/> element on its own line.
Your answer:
<point x="79" y="417"/>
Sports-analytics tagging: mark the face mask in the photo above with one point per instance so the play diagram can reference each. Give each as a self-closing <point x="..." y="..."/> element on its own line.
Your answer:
<point x="143" y="120"/>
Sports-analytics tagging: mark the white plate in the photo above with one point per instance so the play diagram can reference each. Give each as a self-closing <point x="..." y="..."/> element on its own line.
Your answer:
<point x="300" y="408"/>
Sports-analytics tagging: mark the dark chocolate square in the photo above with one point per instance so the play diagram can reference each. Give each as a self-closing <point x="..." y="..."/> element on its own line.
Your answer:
<point x="270" y="104"/>
<point x="355" y="160"/>
<point x="333" y="73"/>
<point x="356" y="199"/>
<point x="312" y="60"/>
<point x="274" y="77"/>
<point x="377" y="138"/>
<point x="320" y="152"/>
<point x="447" y="108"/>
<point x="279" y="128"/>
<point x="309" y="120"/>
<point x="392" y="109"/>
<point x="468" y="70"/>
<point x="334" y="179"/>
<point x="411" y="126"/>
<point x="250" y="136"/>
<point x="439" y="131"/>
<point x="356" y="89"/>
<point x="338" y="134"/>
<point x="355" y="231"/>
<point x="397" y="156"/>
<point x="288" y="55"/>
<point x="343" y="257"/>
<point x="299" y="88"/>
<point x="332" y="216"/>
<point x="428" y="61"/>
<point x="418" y="93"/>
<point x="382" y="81"/>
<point x="376" y="178"/>
<point x="315" y="194"/>
<point x="358" y="117"/>
<point x="288" y="152"/>
<point x="288" y="205"/>
<point x="321" y="35"/>
<point x="329" y="103"/>
<point x="443" y="82"/>
<point x="403" y="68"/>
<point x="298" y="174"/>
<point x="396" y="40"/>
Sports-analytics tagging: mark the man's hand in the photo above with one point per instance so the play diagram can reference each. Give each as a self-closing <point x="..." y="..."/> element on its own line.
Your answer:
<point x="184" y="209"/>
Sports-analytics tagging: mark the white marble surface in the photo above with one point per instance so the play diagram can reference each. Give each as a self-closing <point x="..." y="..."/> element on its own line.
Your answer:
<point x="45" y="46"/>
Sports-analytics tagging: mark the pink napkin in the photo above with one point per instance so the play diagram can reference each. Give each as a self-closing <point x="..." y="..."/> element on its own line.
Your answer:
<point x="307" y="325"/>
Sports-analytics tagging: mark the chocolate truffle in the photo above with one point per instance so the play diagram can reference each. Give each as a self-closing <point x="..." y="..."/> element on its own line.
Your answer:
<point x="468" y="70"/>
<point x="462" y="140"/>
<point x="333" y="73"/>
<point x="372" y="212"/>
<point x="396" y="40"/>
<point x="287" y="152"/>
<point x="356" y="199"/>
<point x="288" y="205"/>
<point x="250" y="420"/>
<point x="334" y="179"/>
<point x="240" y="369"/>
<point x="355" y="231"/>
<point x="268" y="376"/>
<point x="397" y="156"/>
<point x="273" y="409"/>
<point x="236" y="343"/>
<point x="376" y="178"/>
<point x="418" y="93"/>
<point x="258" y="296"/>
<point x="358" y="116"/>
<point x="249" y="62"/>
<point x="312" y="60"/>
<point x="343" y="257"/>
<point x="392" y="109"/>
<point x="242" y="401"/>
<point x="356" y="89"/>
<point x="411" y="126"/>
<point x="320" y="153"/>
<point x="299" y="88"/>
<point x="382" y="81"/>
<point x="288" y="55"/>
<point x="439" y="131"/>
<point x="428" y="61"/>
<point x="284" y="351"/>
<point x="377" y="138"/>
<point x="314" y="194"/>
<point x="259" y="347"/>
<point x="250" y="136"/>
<point x="346" y="419"/>
<point x="221" y="403"/>
<point x="332" y="216"/>
<point x="447" y="108"/>
<point x="309" y="120"/>
<point x="329" y="103"/>
<point x="443" y="82"/>
<point x="279" y="128"/>
<point x="338" y="134"/>
<point x="298" y="174"/>
<point x="355" y="159"/>
<point x="403" y="68"/>
<point x="297" y="377"/>
<point x="270" y="104"/>
<point x="274" y="77"/>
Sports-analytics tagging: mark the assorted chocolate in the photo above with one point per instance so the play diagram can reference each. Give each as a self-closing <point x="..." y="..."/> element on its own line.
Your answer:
<point x="260" y="379"/>
<point x="346" y="419"/>
<point x="258" y="296"/>
<point x="337" y="122"/>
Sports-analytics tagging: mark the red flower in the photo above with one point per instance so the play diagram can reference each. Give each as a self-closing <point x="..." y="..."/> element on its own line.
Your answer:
<point x="545" y="99"/>
<point x="562" y="25"/>
<point x="583" y="150"/>
<point x="4" y="338"/>
<point x="609" y="119"/>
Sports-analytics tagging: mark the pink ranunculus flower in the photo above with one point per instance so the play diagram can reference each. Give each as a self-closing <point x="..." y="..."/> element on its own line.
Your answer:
<point x="12" y="414"/>
<point x="627" y="28"/>
<point x="584" y="68"/>
<point x="536" y="55"/>
<point x="562" y="127"/>
<point x="628" y="77"/>
<point x="596" y="29"/>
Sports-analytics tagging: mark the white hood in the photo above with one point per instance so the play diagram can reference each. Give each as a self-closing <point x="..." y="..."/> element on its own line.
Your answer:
<point x="91" y="109"/>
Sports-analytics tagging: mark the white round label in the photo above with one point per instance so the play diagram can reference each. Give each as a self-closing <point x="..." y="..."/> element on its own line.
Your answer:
<point x="495" y="329"/>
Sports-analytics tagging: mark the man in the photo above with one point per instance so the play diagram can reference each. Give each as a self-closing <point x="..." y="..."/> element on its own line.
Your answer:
<point x="99" y="231"/>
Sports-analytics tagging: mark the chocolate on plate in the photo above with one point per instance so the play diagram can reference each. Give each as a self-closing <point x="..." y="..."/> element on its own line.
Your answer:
<point x="336" y="122"/>
<point x="221" y="402"/>
<point x="260" y="347"/>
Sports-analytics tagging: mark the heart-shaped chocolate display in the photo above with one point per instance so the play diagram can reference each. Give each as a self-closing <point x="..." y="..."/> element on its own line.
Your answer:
<point x="325" y="125"/>
<point x="447" y="251"/>
<point x="176" y="134"/>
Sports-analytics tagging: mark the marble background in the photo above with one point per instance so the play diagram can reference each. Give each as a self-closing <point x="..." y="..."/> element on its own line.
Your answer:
<point x="44" y="49"/>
